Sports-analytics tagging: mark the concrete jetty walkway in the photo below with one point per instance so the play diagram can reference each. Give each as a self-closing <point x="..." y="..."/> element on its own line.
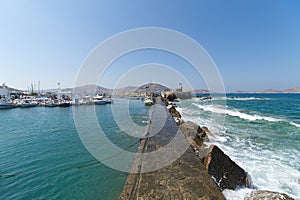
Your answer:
<point x="185" y="178"/>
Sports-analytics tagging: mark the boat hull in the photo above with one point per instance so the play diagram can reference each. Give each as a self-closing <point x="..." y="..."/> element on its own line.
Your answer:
<point x="100" y="102"/>
<point x="148" y="102"/>
<point x="28" y="105"/>
<point x="64" y="105"/>
<point x="6" y="106"/>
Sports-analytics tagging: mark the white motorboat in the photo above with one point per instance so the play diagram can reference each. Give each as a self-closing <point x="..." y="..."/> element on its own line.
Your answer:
<point x="109" y="101"/>
<point x="148" y="102"/>
<point x="98" y="100"/>
<point x="5" y="104"/>
<point x="50" y="104"/>
<point x="64" y="103"/>
<point x="27" y="103"/>
<point x="5" y="101"/>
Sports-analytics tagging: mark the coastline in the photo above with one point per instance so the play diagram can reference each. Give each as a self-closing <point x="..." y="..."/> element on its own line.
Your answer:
<point x="197" y="137"/>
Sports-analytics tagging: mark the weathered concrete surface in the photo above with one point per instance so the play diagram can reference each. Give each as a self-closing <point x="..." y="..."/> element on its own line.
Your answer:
<point x="185" y="178"/>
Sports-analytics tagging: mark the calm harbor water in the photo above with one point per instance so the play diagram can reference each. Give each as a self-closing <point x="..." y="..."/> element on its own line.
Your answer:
<point x="42" y="156"/>
<point x="261" y="133"/>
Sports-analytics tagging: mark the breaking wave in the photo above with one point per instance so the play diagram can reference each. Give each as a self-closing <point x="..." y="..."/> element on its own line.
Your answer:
<point x="235" y="113"/>
<point x="238" y="99"/>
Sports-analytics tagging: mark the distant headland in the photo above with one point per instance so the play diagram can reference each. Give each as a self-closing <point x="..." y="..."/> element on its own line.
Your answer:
<point x="151" y="87"/>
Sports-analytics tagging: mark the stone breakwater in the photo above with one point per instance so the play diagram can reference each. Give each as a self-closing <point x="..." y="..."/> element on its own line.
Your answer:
<point x="202" y="172"/>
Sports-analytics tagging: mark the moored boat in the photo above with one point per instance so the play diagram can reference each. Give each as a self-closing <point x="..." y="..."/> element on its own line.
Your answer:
<point x="148" y="102"/>
<point x="5" y="101"/>
<point x="109" y="101"/>
<point x="98" y="100"/>
<point x="64" y="104"/>
<point x="50" y="104"/>
<point x="4" y="104"/>
<point x="26" y="103"/>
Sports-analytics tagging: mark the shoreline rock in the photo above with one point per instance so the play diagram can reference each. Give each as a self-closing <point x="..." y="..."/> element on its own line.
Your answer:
<point x="226" y="173"/>
<point x="265" y="194"/>
<point x="175" y="114"/>
<point x="196" y="137"/>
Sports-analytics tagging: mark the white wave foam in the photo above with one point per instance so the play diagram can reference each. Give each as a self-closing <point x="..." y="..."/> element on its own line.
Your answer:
<point x="238" y="194"/>
<point x="270" y="168"/>
<point x="179" y="109"/>
<point x="240" y="98"/>
<point x="295" y="124"/>
<point x="247" y="99"/>
<point x="236" y="113"/>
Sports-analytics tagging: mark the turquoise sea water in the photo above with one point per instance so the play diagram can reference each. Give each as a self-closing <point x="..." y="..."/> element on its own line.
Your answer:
<point x="42" y="156"/>
<point x="260" y="132"/>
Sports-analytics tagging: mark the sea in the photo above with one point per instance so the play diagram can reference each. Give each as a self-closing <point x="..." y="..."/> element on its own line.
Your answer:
<point x="42" y="156"/>
<point x="260" y="132"/>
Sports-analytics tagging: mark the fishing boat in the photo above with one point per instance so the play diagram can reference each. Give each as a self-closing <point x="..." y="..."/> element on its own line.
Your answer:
<point x="98" y="100"/>
<point x="64" y="104"/>
<point x="27" y="103"/>
<point x="5" y="101"/>
<point x="5" y="104"/>
<point x="109" y="101"/>
<point x="148" y="102"/>
<point x="50" y="104"/>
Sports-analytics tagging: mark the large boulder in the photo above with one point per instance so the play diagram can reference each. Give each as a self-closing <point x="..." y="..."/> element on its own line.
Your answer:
<point x="195" y="132"/>
<point x="265" y="194"/>
<point x="226" y="173"/>
<point x="174" y="112"/>
<point x="171" y="96"/>
<point x="196" y="136"/>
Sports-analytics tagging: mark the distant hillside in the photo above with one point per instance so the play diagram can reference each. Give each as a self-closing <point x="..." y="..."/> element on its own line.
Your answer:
<point x="201" y="91"/>
<point x="10" y="89"/>
<point x="132" y="90"/>
<point x="272" y="91"/>
<point x="125" y="91"/>
<point x="151" y="88"/>
<point x="88" y="90"/>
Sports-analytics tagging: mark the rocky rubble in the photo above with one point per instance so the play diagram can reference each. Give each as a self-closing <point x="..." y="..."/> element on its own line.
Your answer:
<point x="265" y="194"/>
<point x="175" y="114"/>
<point x="225" y="172"/>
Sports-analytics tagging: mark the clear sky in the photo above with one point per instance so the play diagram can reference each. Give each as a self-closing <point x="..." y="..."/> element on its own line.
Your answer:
<point x="255" y="44"/>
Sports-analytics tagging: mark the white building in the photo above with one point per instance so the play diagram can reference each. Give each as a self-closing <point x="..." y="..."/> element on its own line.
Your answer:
<point x="4" y="92"/>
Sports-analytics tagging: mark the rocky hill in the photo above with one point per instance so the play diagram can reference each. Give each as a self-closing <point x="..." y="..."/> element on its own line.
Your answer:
<point x="151" y="88"/>
<point x="88" y="89"/>
<point x="134" y="91"/>
<point x="272" y="91"/>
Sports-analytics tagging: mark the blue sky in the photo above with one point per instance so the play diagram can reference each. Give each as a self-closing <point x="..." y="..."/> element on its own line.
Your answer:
<point x="255" y="44"/>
